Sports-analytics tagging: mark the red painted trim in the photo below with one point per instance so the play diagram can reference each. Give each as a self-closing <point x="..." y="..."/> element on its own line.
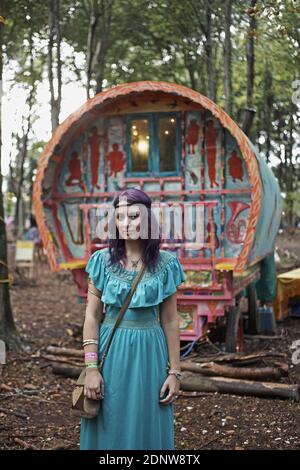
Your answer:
<point x="60" y="234"/>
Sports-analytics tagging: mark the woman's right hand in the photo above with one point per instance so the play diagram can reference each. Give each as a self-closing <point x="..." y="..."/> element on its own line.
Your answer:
<point x="93" y="384"/>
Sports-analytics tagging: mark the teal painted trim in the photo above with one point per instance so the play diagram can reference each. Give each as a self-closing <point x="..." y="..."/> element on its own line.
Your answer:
<point x="178" y="144"/>
<point x="129" y="119"/>
<point x="127" y="145"/>
<point x="177" y="116"/>
<point x="152" y="146"/>
<point x="154" y="161"/>
<point x="155" y="155"/>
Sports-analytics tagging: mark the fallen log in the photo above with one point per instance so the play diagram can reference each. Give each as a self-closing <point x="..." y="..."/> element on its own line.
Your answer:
<point x="181" y="393"/>
<point x="51" y="358"/>
<point x="64" y="351"/>
<point x="239" y="360"/>
<point x="212" y="369"/>
<point x="66" y="371"/>
<point x="284" y="367"/>
<point x="191" y="382"/>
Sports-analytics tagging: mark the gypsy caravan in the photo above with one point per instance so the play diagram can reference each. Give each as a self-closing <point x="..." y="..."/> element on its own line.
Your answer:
<point x="194" y="162"/>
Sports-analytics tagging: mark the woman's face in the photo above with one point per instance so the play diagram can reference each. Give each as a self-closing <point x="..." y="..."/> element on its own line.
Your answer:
<point x="128" y="221"/>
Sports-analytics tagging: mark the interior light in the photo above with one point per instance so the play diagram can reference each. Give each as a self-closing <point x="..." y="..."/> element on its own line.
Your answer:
<point x="143" y="146"/>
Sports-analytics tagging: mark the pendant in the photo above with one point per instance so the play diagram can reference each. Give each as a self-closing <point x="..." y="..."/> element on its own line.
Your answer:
<point x="135" y="263"/>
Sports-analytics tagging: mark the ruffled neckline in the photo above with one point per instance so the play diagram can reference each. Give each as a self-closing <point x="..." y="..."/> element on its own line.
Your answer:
<point x="123" y="274"/>
<point x="114" y="281"/>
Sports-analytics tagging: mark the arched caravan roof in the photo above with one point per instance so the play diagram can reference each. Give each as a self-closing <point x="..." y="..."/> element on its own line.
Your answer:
<point x="94" y="107"/>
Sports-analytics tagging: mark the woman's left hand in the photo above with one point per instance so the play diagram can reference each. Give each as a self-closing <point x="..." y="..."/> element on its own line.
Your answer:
<point x="171" y="385"/>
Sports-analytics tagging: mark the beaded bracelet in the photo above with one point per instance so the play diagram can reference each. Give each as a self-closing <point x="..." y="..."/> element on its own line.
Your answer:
<point x="91" y="365"/>
<point x="91" y="355"/>
<point x="91" y="362"/>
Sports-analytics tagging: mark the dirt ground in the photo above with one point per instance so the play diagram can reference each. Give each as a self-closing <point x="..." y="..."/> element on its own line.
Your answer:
<point x="35" y="403"/>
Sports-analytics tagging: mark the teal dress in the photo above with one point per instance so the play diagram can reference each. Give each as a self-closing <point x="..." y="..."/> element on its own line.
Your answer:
<point x="136" y="365"/>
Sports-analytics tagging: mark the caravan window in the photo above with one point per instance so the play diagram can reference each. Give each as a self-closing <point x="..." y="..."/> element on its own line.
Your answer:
<point x="153" y="144"/>
<point x="140" y="137"/>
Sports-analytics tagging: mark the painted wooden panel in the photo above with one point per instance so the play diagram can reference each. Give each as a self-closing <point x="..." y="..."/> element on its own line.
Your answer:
<point x="193" y="149"/>
<point x="212" y="153"/>
<point x="115" y="158"/>
<point x="85" y="163"/>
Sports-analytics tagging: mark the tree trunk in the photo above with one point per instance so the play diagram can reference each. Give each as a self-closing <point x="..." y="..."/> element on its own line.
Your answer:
<point x="211" y="79"/>
<point x="19" y="225"/>
<point x="190" y="66"/>
<point x="54" y="36"/>
<point x="58" y="58"/>
<point x="227" y="59"/>
<point x="8" y="330"/>
<point x="103" y="43"/>
<point x="290" y="174"/>
<point x="249" y="110"/>
<point x="94" y="15"/>
<point x="202" y="78"/>
<point x="266" y="122"/>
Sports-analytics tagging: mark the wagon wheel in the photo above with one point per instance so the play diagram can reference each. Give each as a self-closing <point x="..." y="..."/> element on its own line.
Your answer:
<point x="234" y="330"/>
<point x="252" y="310"/>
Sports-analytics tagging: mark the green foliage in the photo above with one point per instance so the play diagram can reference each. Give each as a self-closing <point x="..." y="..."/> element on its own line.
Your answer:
<point x="167" y="40"/>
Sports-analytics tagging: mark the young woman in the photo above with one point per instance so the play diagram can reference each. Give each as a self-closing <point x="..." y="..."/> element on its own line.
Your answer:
<point x="141" y="373"/>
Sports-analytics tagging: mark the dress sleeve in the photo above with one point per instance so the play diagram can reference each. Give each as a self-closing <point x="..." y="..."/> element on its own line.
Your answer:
<point x="173" y="276"/>
<point x="96" y="269"/>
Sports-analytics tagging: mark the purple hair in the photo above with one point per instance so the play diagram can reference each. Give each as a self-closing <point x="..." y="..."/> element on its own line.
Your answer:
<point x="150" y="246"/>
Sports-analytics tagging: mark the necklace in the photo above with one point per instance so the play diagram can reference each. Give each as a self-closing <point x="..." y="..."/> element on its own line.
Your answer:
<point x="134" y="263"/>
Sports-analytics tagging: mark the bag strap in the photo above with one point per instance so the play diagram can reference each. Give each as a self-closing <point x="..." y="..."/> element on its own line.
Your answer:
<point x="121" y="314"/>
